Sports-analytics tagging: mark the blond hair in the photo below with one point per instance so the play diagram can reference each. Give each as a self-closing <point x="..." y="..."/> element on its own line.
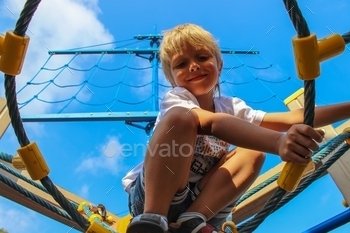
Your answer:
<point x="174" y="40"/>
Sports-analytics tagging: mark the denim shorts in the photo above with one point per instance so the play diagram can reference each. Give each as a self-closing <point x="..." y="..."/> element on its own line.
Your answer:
<point x="137" y="199"/>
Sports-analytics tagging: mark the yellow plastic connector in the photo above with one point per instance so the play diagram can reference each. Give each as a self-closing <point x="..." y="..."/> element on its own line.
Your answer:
<point x="345" y="203"/>
<point x="110" y="220"/>
<point x="294" y="96"/>
<point x="231" y="225"/>
<point x="306" y="57"/>
<point x="34" y="161"/>
<point x="292" y="174"/>
<point x="18" y="163"/>
<point x="348" y="139"/>
<point x="95" y="217"/>
<point x="96" y="227"/>
<point x="122" y="223"/>
<point x="13" y="49"/>
<point x="308" y="53"/>
<point x="330" y="46"/>
<point x="82" y="206"/>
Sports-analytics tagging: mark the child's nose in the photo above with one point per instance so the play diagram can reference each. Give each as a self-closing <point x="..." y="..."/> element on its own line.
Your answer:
<point x="194" y="66"/>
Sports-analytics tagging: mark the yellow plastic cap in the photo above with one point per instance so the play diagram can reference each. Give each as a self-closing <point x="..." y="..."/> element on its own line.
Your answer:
<point x="306" y="57"/>
<point x="123" y="223"/>
<point x="96" y="227"/>
<point x="34" y="161"/>
<point x="110" y="220"/>
<point x="82" y="206"/>
<point x="330" y="46"/>
<point x="95" y="217"/>
<point x="13" y="50"/>
<point x="347" y="129"/>
<point x="291" y="175"/>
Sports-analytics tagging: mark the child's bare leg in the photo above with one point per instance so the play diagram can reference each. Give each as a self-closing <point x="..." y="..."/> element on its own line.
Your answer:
<point x="168" y="159"/>
<point x="228" y="182"/>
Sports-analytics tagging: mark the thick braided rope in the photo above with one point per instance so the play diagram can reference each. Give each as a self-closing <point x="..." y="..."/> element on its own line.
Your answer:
<point x="252" y="224"/>
<point x="297" y="18"/>
<point x="331" y="146"/>
<point x="34" y="197"/>
<point x="10" y="84"/>
<point x="322" y="152"/>
<point x="346" y="37"/>
<point x="16" y="121"/>
<point x="257" y="188"/>
<point x="22" y="177"/>
<point x="309" y="106"/>
<point x="29" y="181"/>
<point x="6" y="157"/>
<point x="309" y="112"/>
<point x="64" y="203"/>
<point x="314" y="176"/>
<point x="25" y="17"/>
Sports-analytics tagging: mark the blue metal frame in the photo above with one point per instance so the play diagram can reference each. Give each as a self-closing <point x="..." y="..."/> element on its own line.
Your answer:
<point x="96" y="116"/>
<point x="331" y="223"/>
<point x="135" y="51"/>
<point x="128" y="117"/>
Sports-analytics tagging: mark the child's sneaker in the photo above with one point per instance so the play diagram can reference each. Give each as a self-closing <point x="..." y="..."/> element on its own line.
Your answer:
<point x="193" y="225"/>
<point x="147" y="223"/>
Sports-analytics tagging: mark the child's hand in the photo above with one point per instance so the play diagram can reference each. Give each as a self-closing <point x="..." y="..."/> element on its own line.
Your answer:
<point x="298" y="143"/>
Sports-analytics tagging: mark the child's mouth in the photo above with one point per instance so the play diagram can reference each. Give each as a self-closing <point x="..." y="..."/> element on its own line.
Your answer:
<point x="200" y="77"/>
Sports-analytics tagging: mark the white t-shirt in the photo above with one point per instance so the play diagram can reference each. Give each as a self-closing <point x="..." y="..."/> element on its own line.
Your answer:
<point x="208" y="149"/>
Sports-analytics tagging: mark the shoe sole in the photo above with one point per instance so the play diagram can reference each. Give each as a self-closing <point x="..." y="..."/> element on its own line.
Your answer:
<point x="142" y="227"/>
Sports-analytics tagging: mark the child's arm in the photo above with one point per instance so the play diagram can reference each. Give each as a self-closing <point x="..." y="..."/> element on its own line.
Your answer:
<point x="324" y="115"/>
<point x="293" y="146"/>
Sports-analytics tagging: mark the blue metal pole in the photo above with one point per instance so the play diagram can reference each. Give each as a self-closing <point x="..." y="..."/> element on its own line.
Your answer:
<point x="155" y="63"/>
<point x="155" y="92"/>
<point x="331" y="223"/>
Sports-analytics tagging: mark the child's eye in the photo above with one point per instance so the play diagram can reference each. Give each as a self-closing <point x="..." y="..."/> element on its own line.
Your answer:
<point x="180" y="64"/>
<point x="203" y="58"/>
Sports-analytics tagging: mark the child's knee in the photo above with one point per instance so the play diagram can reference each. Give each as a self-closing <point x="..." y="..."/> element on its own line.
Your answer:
<point x="250" y="156"/>
<point x="181" y="118"/>
<point x="259" y="157"/>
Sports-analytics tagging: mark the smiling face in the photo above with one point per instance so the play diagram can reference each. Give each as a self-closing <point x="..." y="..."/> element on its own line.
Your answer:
<point x="200" y="55"/>
<point x="196" y="69"/>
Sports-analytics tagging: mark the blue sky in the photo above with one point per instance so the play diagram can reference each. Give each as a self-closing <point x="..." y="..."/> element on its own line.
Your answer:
<point x="85" y="157"/>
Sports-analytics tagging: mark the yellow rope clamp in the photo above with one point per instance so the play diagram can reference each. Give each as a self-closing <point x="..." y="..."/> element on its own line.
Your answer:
<point x="348" y="139"/>
<point x="34" y="161"/>
<point x="97" y="222"/>
<point x="308" y="53"/>
<point x="95" y="226"/>
<point x="292" y="174"/>
<point x="13" y="49"/>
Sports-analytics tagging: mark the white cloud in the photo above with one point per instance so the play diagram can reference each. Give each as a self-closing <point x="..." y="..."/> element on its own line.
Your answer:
<point x="36" y="129"/>
<point x="324" y="199"/>
<point x="108" y="159"/>
<point x="18" y="221"/>
<point x="56" y="24"/>
<point x="84" y="191"/>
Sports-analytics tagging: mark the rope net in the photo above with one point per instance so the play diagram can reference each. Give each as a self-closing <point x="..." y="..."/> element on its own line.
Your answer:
<point x="109" y="82"/>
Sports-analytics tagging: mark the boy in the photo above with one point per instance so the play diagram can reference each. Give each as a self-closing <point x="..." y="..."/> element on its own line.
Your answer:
<point x="189" y="176"/>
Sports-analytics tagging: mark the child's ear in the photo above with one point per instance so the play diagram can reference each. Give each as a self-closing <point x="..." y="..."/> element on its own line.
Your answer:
<point x="221" y="63"/>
